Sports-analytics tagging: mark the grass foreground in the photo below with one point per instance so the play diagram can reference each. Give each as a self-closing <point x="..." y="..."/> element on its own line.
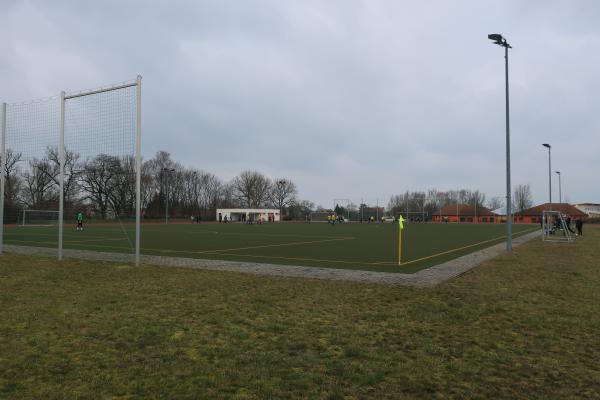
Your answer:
<point x="519" y="326"/>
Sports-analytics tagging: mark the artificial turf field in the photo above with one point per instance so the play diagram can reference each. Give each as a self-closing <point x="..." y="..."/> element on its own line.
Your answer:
<point x="371" y="247"/>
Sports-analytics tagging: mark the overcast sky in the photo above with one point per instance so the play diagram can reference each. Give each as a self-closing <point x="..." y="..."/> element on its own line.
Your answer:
<point x="349" y="99"/>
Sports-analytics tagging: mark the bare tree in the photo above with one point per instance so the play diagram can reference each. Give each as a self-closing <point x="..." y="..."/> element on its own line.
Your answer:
<point x="100" y="182"/>
<point x="522" y="199"/>
<point x="148" y="186"/>
<point x="283" y="193"/>
<point x="301" y="209"/>
<point x="495" y="203"/>
<point x="72" y="170"/>
<point x="13" y="183"/>
<point x="251" y="188"/>
<point x="40" y="189"/>
<point x="210" y="192"/>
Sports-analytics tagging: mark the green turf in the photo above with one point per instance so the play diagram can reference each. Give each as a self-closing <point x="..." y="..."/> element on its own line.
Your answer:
<point x="371" y="247"/>
<point x="521" y="326"/>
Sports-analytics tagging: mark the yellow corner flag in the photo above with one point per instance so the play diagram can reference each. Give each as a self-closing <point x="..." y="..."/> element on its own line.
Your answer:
<point x="401" y="226"/>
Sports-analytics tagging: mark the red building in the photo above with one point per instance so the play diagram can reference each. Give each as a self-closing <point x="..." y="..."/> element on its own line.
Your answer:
<point x="465" y="213"/>
<point x="533" y="215"/>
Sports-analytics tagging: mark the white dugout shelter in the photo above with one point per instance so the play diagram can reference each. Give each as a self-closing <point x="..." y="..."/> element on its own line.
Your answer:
<point x="248" y="214"/>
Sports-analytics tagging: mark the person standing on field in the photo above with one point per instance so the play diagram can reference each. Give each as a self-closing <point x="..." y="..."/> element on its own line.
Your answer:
<point x="569" y="224"/>
<point x="579" y="226"/>
<point x="80" y="221"/>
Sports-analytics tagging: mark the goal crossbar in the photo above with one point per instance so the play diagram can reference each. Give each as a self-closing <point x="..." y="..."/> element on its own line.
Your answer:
<point x="56" y="213"/>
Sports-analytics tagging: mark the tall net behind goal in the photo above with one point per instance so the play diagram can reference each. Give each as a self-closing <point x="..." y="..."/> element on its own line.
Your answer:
<point x="76" y="157"/>
<point x="101" y="168"/>
<point x="29" y="178"/>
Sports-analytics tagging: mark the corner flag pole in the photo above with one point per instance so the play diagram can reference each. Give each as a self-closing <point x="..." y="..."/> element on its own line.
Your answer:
<point x="401" y="228"/>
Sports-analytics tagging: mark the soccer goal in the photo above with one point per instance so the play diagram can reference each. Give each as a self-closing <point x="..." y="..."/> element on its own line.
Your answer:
<point x="555" y="228"/>
<point x="320" y="216"/>
<point x="40" y="217"/>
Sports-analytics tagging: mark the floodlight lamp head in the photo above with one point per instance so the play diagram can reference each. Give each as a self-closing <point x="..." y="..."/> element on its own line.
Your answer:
<point x="546" y="145"/>
<point x="499" y="40"/>
<point x="558" y="172"/>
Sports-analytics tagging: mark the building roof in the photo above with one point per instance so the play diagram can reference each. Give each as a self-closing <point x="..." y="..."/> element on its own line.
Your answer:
<point x="562" y="207"/>
<point x="466" y="210"/>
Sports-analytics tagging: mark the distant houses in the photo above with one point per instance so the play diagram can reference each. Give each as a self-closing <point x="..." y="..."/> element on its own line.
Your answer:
<point x="533" y="215"/>
<point x="465" y="213"/>
<point x="591" y="209"/>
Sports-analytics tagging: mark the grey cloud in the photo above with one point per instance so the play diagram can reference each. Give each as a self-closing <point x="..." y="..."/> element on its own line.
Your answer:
<point x="348" y="98"/>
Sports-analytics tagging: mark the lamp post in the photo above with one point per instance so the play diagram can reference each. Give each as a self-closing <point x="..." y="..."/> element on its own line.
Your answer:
<point x="549" y="173"/>
<point x="167" y="170"/>
<point x="559" y="190"/>
<point x="500" y="41"/>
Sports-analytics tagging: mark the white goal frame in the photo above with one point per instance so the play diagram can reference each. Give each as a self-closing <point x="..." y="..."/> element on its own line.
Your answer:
<point x="26" y="210"/>
<point x="558" y="232"/>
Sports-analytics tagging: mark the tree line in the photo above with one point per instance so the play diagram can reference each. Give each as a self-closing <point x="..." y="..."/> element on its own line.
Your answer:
<point x="104" y="187"/>
<point x="432" y="201"/>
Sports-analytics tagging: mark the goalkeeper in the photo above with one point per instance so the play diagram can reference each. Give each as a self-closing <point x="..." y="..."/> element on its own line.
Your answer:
<point x="80" y="221"/>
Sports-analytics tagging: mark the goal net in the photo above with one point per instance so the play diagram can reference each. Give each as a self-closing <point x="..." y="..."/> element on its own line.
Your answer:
<point x="39" y="218"/>
<point x="555" y="227"/>
<point x="320" y="216"/>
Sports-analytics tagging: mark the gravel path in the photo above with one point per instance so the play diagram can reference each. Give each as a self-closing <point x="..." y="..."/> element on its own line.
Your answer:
<point x="425" y="278"/>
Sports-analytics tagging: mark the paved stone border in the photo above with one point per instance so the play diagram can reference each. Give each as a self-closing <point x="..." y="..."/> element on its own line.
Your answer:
<point x="428" y="277"/>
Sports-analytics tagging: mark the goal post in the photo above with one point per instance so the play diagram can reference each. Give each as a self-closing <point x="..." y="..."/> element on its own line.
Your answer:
<point x="343" y="206"/>
<point x="40" y="217"/>
<point x="555" y="228"/>
<point x="320" y="216"/>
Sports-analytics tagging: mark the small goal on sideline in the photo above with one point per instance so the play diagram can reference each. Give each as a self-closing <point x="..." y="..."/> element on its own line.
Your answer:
<point x="555" y="228"/>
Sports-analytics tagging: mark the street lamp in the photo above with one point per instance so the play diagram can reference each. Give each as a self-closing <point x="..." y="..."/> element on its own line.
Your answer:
<point x="549" y="173"/>
<point x="167" y="196"/>
<point x="500" y="41"/>
<point x="559" y="190"/>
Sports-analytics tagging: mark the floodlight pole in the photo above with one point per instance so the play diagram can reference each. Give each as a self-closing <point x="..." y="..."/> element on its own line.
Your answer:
<point x="559" y="190"/>
<point x="2" y="170"/>
<point x="549" y="174"/>
<point x="499" y="40"/>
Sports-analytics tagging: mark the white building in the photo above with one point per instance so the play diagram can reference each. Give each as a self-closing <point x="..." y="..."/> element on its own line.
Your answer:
<point x="248" y="214"/>
<point x="591" y="209"/>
